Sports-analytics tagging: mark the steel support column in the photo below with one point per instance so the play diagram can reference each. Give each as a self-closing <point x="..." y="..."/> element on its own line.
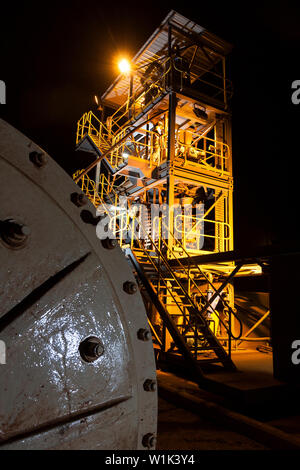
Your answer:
<point x="171" y="155"/>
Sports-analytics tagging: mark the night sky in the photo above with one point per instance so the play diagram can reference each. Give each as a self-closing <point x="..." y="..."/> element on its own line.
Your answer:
<point x="55" y="56"/>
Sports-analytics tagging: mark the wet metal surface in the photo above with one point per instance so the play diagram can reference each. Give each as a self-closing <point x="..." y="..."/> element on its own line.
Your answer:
<point x="45" y="351"/>
<point x="57" y="290"/>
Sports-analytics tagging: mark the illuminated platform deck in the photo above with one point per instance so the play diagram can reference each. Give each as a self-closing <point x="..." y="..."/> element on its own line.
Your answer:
<point x="252" y="387"/>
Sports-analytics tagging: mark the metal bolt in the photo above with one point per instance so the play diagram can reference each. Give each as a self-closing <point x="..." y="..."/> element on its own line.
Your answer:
<point x="149" y="440"/>
<point x="143" y="334"/>
<point x="109" y="243"/>
<point x="98" y="350"/>
<point x="13" y="233"/>
<point x="149" y="385"/>
<point x="78" y="199"/>
<point x="130" y="287"/>
<point x="88" y="217"/>
<point x="91" y="349"/>
<point x="39" y="159"/>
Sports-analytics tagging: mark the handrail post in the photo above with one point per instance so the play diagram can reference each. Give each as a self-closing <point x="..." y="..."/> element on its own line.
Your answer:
<point x="230" y="334"/>
<point x="89" y="121"/>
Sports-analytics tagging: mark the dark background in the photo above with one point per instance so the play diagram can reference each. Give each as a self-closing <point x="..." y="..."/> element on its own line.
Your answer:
<point x="55" y="56"/>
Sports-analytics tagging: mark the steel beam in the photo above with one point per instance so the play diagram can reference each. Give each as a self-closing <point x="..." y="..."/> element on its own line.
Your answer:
<point x="238" y="256"/>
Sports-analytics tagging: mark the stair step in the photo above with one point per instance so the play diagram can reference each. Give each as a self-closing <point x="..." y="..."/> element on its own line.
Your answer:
<point x="162" y="286"/>
<point x="177" y="296"/>
<point x="177" y="305"/>
<point x="176" y="315"/>
<point x="150" y="277"/>
<point x="208" y="360"/>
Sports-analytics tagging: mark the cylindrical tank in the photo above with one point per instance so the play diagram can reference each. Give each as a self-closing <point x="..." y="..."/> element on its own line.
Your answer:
<point x="77" y="355"/>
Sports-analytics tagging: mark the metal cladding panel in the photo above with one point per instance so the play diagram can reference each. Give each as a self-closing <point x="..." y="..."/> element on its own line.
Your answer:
<point x="44" y="342"/>
<point x="113" y="428"/>
<point x="61" y="286"/>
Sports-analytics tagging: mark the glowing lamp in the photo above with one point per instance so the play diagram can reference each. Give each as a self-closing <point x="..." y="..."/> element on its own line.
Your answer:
<point x="124" y="66"/>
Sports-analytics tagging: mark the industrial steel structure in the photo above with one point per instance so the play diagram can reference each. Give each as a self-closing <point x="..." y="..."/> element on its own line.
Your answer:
<point x="79" y="316"/>
<point x="163" y="178"/>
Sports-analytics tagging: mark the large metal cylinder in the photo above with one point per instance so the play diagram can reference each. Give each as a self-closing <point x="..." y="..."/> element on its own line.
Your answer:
<point x="79" y="369"/>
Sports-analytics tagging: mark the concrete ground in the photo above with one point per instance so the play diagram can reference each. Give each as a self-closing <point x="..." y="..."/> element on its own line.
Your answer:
<point x="289" y="424"/>
<point x="181" y="429"/>
<point x="190" y="418"/>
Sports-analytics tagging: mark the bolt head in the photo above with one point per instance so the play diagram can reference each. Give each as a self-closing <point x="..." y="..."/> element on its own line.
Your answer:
<point x="130" y="287"/>
<point x="39" y="159"/>
<point x="143" y="334"/>
<point x="150" y="385"/>
<point x="79" y="199"/>
<point x="98" y="350"/>
<point x="88" y="217"/>
<point x="91" y="349"/>
<point x="149" y="440"/>
<point x="25" y="230"/>
<point x="109" y="243"/>
<point x="14" y="234"/>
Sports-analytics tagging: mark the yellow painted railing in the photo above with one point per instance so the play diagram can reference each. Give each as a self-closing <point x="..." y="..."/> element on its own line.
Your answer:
<point x="149" y="146"/>
<point x="190" y="230"/>
<point x="90" y="125"/>
<point x="142" y="98"/>
<point x="152" y="146"/>
<point x="208" y="152"/>
<point x="194" y="231"/>
<point x="94" y="194"/>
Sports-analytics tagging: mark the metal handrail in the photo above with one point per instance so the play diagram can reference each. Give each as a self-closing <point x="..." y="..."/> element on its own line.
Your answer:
<point x="117" y="230"/>
<point x="140" y="93"/>
<point x="142" y="150"/>
<point x="194" y="230"/>
<point x="171" y="292"/>
<point x="90" y="125"/>
<point x="207" y="279"/>
<point x="159" y="253"/>
<point x="220" y="153"/>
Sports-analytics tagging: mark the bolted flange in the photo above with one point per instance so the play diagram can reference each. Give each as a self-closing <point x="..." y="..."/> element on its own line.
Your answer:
<point x="91" y="349"/>
<point x="149" y="385"/>
<point x="39" y="159"/>
<point x="130" y="287"/>
<point x="65" y="286"/>
<point x="14" y="234"/>
<point x="79" y="199"/>
<point x="109" y="243"/>
<point x="149" y="440"/>
<point x="143" y="334"/>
